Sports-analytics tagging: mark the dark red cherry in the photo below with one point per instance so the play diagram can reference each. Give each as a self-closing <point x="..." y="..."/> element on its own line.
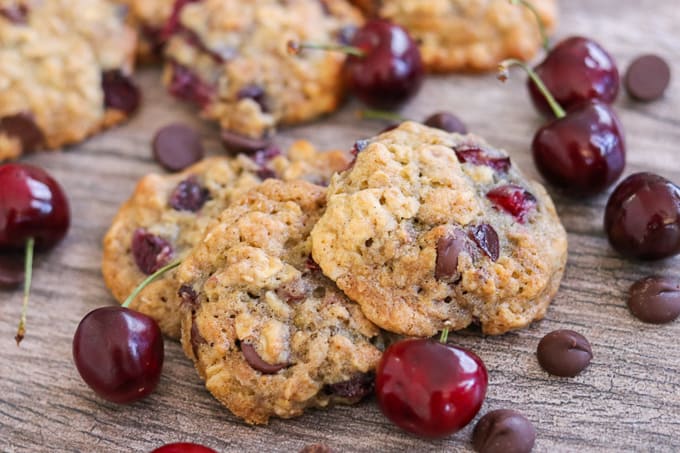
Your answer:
<point x="183" y="447"/>
<point x="119" y="353"/>
<point x="32" y="205"/>
<point x="576" y="70"/>
<point x="389" y="71"/>
<point x="642" y="218"/>
<point x="430" y="388"/>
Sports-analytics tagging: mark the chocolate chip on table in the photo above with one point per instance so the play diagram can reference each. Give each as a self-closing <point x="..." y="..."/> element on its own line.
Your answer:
<point x="120" y="92"/>
<point x="503" y="431"/>
<point x="486" y="238"/>
<point x="23" y="127"/>
<point x="449" y="247"/>
<point x="647" y="78"/>
<point x="189" y="195"/>
<point x="354" y="389"/>
<point x="655" y="300"/>
<point x="257" y="363"/>
<point x="150" y="252"/>
<point x="564" y="353"/>
<point x="11" y="270"/>
<point x="238" y="143"/>
<point x="447" y="122"/>
<point x="177" y="146"/>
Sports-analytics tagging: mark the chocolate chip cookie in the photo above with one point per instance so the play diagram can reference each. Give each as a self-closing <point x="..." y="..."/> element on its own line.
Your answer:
<point x="429" y="230"/>
<point x="65" y="69"/>
<point x="459" y="35"/>
<point x="269" y="334"/>
<point x="230" y="58"/>
<point x="167" y="215"/>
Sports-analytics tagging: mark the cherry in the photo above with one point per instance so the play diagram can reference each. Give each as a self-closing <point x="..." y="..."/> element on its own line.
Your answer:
<point x="430" y="388"/>
<point x="582" y="151"/>
<point x="642" y="217"/>
<point x="119" y="352"/>
<point x="34" y="213"/>
<point x="384" y="67"/>
<point x="576" y="70"/>
<point x="183" y="447"/>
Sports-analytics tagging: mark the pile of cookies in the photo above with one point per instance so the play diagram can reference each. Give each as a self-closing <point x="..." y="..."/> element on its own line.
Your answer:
<point x="288" y="291"/>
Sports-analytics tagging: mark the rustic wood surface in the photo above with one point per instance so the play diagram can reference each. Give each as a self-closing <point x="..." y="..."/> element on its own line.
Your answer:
<point x="627" y="400"/>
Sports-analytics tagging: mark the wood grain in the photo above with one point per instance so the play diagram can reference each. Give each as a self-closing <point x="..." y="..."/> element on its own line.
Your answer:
<point x="628" y="400"/>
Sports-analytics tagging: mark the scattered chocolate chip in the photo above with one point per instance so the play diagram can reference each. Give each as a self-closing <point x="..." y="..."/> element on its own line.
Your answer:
<point x="316" y="448"/>
<point x="486" y="238"/>
<point x="238" y="143"/>
<point x="647" y="78"/>
<point x="189" y="195"/>
<point x="11" y="270"/>
<point x="477" y="156"/>
<point x="188" y="295"/>
<point x="17" y="14"/>
<point x="257" y="363"/>
<point x="447" y="122"/>
<point x="564" y="353"/>
<point x="185" y="84"/>
<point x="23" y="127"/>
<point x="177" y="146"/>
<point x="150" y="252"/>
<point x="449" y="247"/>
<point x="293" y="291"/>
<point x="655" y="300"/>
<point x="196" y="338"/>
<point x="120" y="92"/>
<point x="256" y="93"/>
<point x="503" y="431"/>
<point x="354" y="389"/>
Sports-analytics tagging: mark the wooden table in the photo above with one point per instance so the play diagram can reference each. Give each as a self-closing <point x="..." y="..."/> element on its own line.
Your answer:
<point x="627" y="400"/>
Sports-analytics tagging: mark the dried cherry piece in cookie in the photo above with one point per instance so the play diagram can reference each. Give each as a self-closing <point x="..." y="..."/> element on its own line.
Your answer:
<point x="256" y="93"/>
<point x="486" y="238"/>
<point x="449" y="247"/>
<point x="23" y="127"/>
<point x="17" y="14"/>
<point x="150" y="252"/>
<point x="257" y="363"/>
<point x="354" y="389"/>
<point x="188" y="295"/>
<point x="477" y="156"/>
<point x="189" y="195"/>
<point x="172" y="24"/>
<point x="177" y="146"/>
<point x="514" y="200"/>
<point x="186" y="85"/>
<point x="120" y="92"/>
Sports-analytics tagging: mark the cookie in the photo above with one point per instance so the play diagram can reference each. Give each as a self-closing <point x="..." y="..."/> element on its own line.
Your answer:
<point x="167" y="214"/>
<point x="269" y="334"/>
<point x="476" y="35"/>
<point x="65" y="69"/>
<point x="429" y="230"/>
<point x="230" y="58"/>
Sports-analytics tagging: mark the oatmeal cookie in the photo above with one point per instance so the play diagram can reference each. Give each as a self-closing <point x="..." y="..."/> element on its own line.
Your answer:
<point x="473" y="35"/>
<point x="230" y="58"/>
<point x="64" y="72"/>
<point x="269" y="334"/>
<point x="429" y="230"/>
<point x="167" y="214"/>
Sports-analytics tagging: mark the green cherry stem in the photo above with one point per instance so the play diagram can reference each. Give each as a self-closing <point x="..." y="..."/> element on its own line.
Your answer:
<point x="295" y="47"/>
<point x="150" y="279"/>
<point x="370" y="114"/>
<point x="539" y="20"/>
<point x="28" y="274"/>
<point x="444" y="336"/>
<point x="503" y="73"/>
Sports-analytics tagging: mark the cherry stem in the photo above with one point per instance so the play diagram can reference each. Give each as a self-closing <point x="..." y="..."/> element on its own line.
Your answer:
<point x="28" y="275"/>
<point x="370" y="114"/>
<point x="503" y="76"/>
<point x="444" y="336"/>
<point x="150" y="279"/>
<point x="295" y="47"/>
<point x="541" y="24"/>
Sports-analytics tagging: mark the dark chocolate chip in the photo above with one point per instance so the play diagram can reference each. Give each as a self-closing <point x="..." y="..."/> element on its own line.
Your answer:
<point x="17" y="14"/>
<point x="655" y="300"/>
<point x="150" y="252"/>
<point x="11" y="270"/>
<point x="447" y="122"/>
<point x="197" y="339"/>
<point x="177" y="146"/>
<point x="262" y="159"/>
<point x="316" y="448"/>
<point x="293" y="291"/>
<point x="449" y="247"/>
<point x="354" y="389"/>
<point x="188" y="296"/>
<point x="477" y="156"/>
<point x="23" y="127"/>
<point x="564" y="353"/>
<point x="503" y="431"/>
<point x="257" y="363"/>
<point x="647" y="78"/>
<point x="256" y="93"/>
<point x="189" y="195"/>
<point x="486" y="238"/>
<point x="185" y="84"/>
<point x="238" y="143"/>
<point x="120" y="92"/>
